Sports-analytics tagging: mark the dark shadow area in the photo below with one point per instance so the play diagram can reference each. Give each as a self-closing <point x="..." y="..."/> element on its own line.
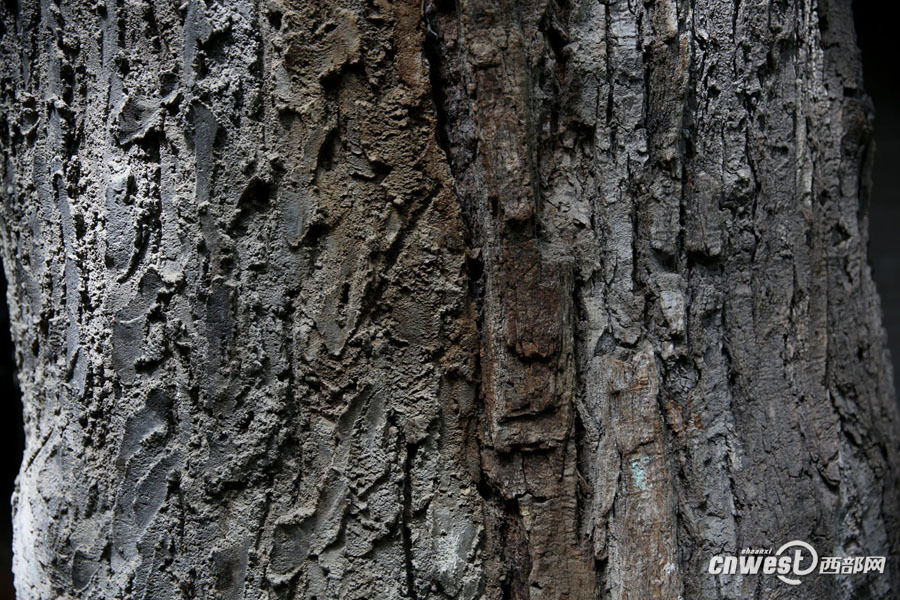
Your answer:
<point x="12" y="438"/>
<point x="878" y="41"/>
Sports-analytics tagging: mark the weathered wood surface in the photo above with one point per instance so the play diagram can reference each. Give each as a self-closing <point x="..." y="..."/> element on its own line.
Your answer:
<point x="503" y="300"/>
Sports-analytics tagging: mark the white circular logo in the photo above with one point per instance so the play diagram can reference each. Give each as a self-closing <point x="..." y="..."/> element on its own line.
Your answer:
<point x="798" y="559"/>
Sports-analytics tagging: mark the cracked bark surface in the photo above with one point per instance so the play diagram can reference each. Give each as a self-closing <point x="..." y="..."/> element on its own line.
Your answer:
<point x="502" y="300"/>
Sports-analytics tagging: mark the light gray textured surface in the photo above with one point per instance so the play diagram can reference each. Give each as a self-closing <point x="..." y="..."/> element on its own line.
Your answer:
<point x="545" y="300"/>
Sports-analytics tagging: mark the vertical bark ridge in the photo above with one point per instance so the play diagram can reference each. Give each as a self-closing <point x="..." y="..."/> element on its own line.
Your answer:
<point x="527" y="354"/>
<point x="692" y="171"/>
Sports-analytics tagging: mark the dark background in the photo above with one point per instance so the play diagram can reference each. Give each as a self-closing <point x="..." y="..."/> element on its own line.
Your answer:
<point x="878" y="38"/>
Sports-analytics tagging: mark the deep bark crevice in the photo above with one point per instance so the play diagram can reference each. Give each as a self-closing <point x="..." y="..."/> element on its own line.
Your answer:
<point x="405" y="529"/>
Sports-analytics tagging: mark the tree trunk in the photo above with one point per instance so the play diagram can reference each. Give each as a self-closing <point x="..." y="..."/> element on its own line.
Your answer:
<point x="521" y="300"/>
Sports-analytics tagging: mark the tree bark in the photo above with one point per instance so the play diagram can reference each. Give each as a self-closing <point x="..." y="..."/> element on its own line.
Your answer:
<point x="504" y="300"/>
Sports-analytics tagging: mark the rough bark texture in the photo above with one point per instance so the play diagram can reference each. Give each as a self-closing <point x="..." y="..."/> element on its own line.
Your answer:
<point x="506" y="300"/>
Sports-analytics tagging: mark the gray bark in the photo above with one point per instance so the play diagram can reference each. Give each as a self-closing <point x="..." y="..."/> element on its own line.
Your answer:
<point x="519" y="300"/>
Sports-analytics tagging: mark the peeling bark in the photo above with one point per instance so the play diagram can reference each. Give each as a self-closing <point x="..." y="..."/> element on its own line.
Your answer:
<point x="511" y="300"/>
